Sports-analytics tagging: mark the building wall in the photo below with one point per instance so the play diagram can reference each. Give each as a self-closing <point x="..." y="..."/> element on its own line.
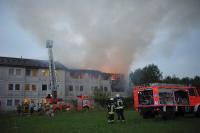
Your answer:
<point x="30" y="86"/>
<point x="84" y="86"/>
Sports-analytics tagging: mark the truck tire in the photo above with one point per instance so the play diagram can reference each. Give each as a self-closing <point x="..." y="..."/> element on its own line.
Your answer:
<point x="168" y="115"/>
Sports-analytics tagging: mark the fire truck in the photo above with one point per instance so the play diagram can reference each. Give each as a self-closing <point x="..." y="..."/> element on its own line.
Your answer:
<point x="84" y="103"/>
<point x="166" y="100"/>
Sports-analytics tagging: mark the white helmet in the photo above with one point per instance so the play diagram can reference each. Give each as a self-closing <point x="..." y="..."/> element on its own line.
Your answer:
<point x="111" y="99"/>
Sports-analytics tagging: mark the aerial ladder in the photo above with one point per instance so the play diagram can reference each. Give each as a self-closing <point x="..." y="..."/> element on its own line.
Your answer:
<point x="52" y="73"/>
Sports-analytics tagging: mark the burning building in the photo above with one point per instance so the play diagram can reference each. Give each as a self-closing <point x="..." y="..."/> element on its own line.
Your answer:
<point x="27" y="78"/>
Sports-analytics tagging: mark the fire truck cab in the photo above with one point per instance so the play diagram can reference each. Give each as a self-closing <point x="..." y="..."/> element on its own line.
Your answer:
<point x="166" y="100"/>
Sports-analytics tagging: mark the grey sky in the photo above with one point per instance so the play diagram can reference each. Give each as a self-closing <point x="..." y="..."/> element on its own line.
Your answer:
<point x="109" y="35"/>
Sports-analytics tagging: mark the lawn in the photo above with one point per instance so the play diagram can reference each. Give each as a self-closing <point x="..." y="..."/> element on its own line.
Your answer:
<point x="95" y="122"/>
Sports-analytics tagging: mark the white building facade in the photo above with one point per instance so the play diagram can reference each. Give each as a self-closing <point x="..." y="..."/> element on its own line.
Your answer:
<point x="27" y="78"/>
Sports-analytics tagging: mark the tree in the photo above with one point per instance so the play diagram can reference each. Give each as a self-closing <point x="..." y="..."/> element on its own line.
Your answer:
<point x="151" y="74"/>
<point x="172" y="80"/>
<point x="135" y="77"/>
<point x="196" y="81"/>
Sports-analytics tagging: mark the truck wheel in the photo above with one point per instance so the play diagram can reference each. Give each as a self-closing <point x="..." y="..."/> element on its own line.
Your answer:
<point x="168" y="115"/>
<point x="148" y="114"/>
<point x="198" y="112"/>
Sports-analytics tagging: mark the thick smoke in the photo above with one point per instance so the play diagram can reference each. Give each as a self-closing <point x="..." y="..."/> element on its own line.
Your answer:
<point x="105" y="35"/>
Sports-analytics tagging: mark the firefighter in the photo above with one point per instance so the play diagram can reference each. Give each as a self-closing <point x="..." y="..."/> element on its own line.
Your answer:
<point x="119" y="107"/>
<point x="111" y="109"/>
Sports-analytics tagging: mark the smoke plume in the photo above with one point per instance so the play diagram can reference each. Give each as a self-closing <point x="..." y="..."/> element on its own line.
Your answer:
<point x="105" y="35"/>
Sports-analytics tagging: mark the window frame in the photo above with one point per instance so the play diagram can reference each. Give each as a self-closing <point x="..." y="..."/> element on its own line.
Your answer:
<point x="18" y="71"/>
<point x="11" y="73"/>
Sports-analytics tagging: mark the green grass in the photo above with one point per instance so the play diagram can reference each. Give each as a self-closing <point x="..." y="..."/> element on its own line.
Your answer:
<point x="95" y="122"/>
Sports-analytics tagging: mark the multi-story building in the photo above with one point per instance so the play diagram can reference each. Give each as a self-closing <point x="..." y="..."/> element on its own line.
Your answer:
<point x="27" y="78"/>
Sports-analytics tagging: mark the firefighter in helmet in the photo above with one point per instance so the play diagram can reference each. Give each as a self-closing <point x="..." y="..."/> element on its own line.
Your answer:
<point x="119" y="107"/>
<point x="111" y="109"/>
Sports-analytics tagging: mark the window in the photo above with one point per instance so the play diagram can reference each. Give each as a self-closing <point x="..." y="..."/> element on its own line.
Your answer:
<point x="70" y="88"/>
<point x="105" y="89"/>
<point x="45" y="72"/>
<point x="27" y="87"/>
<point x="10" y="86"/>
<point x="34" y="72"/>
<point x="101" y="88"/>
<point x="28" y="72"/>
<point x="18" y="72"/>
<point x="9" y="102"/>
<point x="81" y="88"/>
<point x="17" y="102"/>
<point x="44" y="87"/>
<point x="17" y="87"/>
<point x="192" y="92"/>
<point x="95" y="88"/>
<point x="11" y="71"/>
<point x="33" y="87"/>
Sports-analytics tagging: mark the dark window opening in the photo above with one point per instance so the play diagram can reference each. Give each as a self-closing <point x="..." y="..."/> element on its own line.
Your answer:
<point x="17" y="86"/>
<point x="44" y="87"/>
<point x="28" y="72"/>
<point x="70" y="88"/>
<point x="10" y="87"/>
<point x="9" y="102"/>
<point x="81" y="88"/>
<point x="17" y="101"/>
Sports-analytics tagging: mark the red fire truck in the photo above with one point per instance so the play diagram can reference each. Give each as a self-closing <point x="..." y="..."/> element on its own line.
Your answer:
<point x="166" y="100"/>
<point x="84" y="103"/>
